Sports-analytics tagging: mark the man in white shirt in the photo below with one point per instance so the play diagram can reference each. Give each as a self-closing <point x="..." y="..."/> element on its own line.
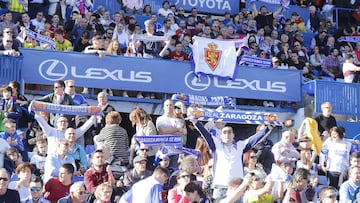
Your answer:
<point x="165" y="10"/>
<point x="121" y="36"/>
<point x="350" y="71"/>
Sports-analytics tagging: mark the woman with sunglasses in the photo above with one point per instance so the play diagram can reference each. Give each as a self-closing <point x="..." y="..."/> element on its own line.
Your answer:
<point x="252" y="166"/>
<point x="260" y="192"/>
<point x="7" y="195"/>
<point x="177" y="193"/>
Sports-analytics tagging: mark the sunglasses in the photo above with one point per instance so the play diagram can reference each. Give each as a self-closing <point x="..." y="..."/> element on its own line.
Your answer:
<point x="35" y="189"/>
<point x="331" y="196"/>
<point x="109" y="33"/>
<point x="4" y="179"/>
<point x="82" y="193"/>
<point x="185" y="176"/>
<point x="71" y="86"/>
<point x="9" y="41"/>
<point x="146" y="150"/>
<point x="8" y="32"/>
<point x="176" y="107"/>
<point x="252" y="157"/>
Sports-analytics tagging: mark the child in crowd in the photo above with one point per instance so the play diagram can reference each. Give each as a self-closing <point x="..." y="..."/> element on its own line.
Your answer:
<point x="13" y="138"/>
<point x="38" y="159"/>
<point x="12" y="160"/>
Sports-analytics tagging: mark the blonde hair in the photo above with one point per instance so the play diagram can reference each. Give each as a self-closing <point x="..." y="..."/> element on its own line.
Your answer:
<point x="100" y="188"/>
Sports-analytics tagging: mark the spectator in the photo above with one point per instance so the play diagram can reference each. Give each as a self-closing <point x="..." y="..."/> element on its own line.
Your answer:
<point x="327" y="194"/>
<point x="284" y="150"/>
<point x="83" y="42"/>
<point x="81" y="25"/>
<point x="222" y="175"/>
<point x="330" y="44"/>
<point x="166" y="125"/>
<point x="10" y="108"/>
<point x="258" y="189"/>
<point x="77" y="194"/>
<point x="4" y="146"/>
<point x="165" y="10"/>
<point x="76" y="151"/>
<point x="335" y="152"/>
<point x="348" y="188"/>
<point x="177" y="193"/>
<point x="307" y="161"/>
<point x="23" y="172"/>
<point x="38" y="22"/>
<point x="354" y="161"/>
<point x="178" y="54"/>
<point x="166" y="28"/>
<point x="147" y="10"/>
<point x="98" y="173"/>
<point x="70" y="90"/>
<point x="105" y="19"/>
<point x="144" y="126"/>
<point x="180" y="15"/>
<point x="7" y="47"/>
<point x="331" y="66"/>
<point x="314" y="20"/>
<point x="195" y="193"/>
<point x="350" y="71"/>
<point x="320" y="40"/>
<point x="7" y="195"/>
<point x="25" y="22"/>
<point x="143" y="151"/>
<point x="13" y="138"/>
<point x="54" y="161"/>
<point x="114" y="136"/>
<point x="54" y="134"/>
<point x="132" y="7"/>
<point x="150" y="188"/>
<point x="108" y="36"/>
<point x="137" y="173"/>
<point x="105" y="107"/>
<point x="8" y="23"/>
<point x="8" y="33"/>
<point x="297" y="193"/>
<point x="114" y="48"/>
<point x="95" y="48"/>
<point x="118" y="18"/>
<point x="263" y="17"/>
<point x="325" y="120"/>
<point x="251" y="165"/>
<point x="38" y="159"/>
<point x="12" y="160"/>
<point x="186" y="42"/>
<point x="317" y="59"/>
<point x="151" y="49"/>
<point x="81" y="6"/>
<point x="103" y="192"/>
<point x="57" y="188"/>
<point x="96" y="26"/>
<point x="36" y="186"/>
<point x="55" y="20"/>
<point x="61" y="43"/>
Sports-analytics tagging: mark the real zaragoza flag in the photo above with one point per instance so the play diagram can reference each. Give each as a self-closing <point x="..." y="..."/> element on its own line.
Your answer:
<point x="214" y="57"/>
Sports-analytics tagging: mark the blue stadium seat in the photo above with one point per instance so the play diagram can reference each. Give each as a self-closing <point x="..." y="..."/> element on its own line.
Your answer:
<point x="90" y="149"/>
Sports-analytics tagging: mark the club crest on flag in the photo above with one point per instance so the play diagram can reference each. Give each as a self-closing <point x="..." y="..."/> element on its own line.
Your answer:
<point x="212" y="56"/>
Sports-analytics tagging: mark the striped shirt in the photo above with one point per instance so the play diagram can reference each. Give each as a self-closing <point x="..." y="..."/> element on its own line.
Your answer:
<point x="117" y="139"/>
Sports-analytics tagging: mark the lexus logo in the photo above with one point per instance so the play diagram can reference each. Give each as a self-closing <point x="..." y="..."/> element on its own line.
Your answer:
<point x="53" y="69"/>
<point x="197" y="83"/>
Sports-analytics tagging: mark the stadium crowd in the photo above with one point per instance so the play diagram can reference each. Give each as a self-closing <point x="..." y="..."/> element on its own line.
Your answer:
<point x="47" y="157"/>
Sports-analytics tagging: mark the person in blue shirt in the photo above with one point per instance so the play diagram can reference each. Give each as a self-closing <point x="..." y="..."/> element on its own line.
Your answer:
<point x="150" y="188"/>
<point x="348" y="188"/>
<point x="13" y="138"/>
